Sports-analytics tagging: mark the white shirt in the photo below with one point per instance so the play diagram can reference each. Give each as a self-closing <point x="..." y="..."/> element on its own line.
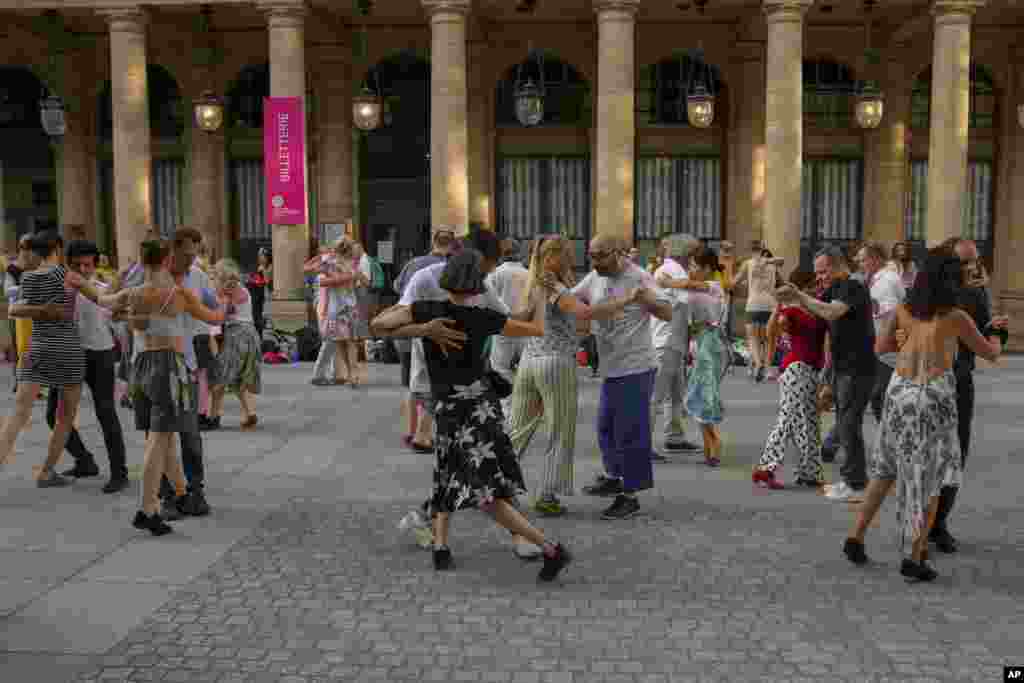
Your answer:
<point x="661" y="330"/>
<point x="425" y="286"/>
<point x="887" y="293"/>
<point x="93" y="322"/>
<point x="509" y="282"/>
<point x="196" y="280"/>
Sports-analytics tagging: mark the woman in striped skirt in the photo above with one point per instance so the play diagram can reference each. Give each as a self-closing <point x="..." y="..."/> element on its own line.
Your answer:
<point x="239" y="364"/>
<point x="545" y="386"/>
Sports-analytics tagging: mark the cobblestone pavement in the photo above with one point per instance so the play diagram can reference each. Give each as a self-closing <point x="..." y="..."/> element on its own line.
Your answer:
<point x="716" y="582"/>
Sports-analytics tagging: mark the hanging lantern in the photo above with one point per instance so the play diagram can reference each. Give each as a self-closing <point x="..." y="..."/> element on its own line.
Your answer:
<point x="700" y="107"/>
<point x="529" y="104"/>
<point x="367" y="110"/>
<point x="208" y="112"/>
<point x="869" y="107"/>
<point x="51" y="111"/>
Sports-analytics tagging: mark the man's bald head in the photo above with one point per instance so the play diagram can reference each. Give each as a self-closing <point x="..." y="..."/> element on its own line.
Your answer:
<point x="966" y="250"/>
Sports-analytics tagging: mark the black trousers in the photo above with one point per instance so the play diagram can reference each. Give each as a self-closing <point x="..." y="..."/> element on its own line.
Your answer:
<point x="99" y="376"/>
<point x="883" y="375"/>
<point x="965" y="413"/>
<point x="191" y="461"/>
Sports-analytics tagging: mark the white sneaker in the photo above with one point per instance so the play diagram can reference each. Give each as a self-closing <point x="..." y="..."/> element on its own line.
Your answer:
<point x="420" y="529"/>
<point x="842" y="493"/>
<point x="528" y="551"/>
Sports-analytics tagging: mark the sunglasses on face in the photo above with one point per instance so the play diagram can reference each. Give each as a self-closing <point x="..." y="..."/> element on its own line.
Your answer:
<point x="601" y="255"/>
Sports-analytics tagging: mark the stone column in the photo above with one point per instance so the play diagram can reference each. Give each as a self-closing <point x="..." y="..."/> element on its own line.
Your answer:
<point x="947" y="139"/>
<point x="784" y="123"/>
<point x="133" y="211"/>
<point x="481" y="127"/>
<point x="886" y="153"/>
<point x="334" y="144"/>
<point x="286" y="22"/>
<point x="449" y="133"/>
<point x="745" y="217"/>
<point x="76" y="161"/>
<point x="1007" y="275"/>
<point x="615" y="146"/>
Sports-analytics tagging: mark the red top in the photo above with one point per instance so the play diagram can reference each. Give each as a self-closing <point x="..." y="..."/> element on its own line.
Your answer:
<point x="807" y="337"/>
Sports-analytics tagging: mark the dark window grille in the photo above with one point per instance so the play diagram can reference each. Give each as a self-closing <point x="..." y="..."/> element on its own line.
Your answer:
<point x="245" y="97"/>
<point x="567" y="100"/>
<point x="829" y="93"/>
<point x="663" y="89"/>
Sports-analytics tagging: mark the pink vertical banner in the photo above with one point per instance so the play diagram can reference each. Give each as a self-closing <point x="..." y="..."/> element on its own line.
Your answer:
<point x="284" y="160"/>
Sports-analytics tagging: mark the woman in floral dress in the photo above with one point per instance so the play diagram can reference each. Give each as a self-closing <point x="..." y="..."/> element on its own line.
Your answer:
<point x="475" y="464"/>
<point x="711" y="355"/>
<point x="239" y="364"/>
<point x="918" y="450"/>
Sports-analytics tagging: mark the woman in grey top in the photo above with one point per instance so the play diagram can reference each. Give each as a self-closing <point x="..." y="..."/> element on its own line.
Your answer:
<point x="545" y="385"/>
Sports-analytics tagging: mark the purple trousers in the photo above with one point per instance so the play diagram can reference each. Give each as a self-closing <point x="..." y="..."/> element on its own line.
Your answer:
<point x="624" y="429"/>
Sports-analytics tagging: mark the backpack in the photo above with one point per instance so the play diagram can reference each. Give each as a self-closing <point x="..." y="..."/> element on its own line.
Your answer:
<point x="378" y="281"/>
<point x="307" y="342"/>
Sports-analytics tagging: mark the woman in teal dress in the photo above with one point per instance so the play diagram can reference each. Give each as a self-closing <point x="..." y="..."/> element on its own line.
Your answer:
<point x="711" y="355"/>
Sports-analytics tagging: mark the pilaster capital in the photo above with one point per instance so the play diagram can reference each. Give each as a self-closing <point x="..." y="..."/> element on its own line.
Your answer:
<point x="434" y="8"/>
<point x="125" y="19"/>
<point x="955" y="11"/>
<point x="284" y="13"/>
<point x="616" y="9"/>
<point x="786" y="10"/>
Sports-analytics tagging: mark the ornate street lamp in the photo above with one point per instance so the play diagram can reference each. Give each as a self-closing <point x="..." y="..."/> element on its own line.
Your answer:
<point x="529" y="96"/>
<point x="700" y="101"/>
<point x="51" y="111"/>
<point x="869" y="107"/>
<point x="208" y="110"/>
<point x="367" y="110"/>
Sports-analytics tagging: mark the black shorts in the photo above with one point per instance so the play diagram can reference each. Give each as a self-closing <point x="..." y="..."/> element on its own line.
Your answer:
<point x="759" y="318"/>
<point x="405" y="358"/>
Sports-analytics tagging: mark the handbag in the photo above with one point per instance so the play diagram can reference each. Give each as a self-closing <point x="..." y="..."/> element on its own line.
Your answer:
<point x="501" y="387"/>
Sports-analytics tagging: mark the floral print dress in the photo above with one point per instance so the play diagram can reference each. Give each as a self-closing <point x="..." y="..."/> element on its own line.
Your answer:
<point x="339" y="322"/>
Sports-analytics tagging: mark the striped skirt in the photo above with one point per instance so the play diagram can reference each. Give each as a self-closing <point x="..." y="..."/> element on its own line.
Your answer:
<point x="239" y="364"/>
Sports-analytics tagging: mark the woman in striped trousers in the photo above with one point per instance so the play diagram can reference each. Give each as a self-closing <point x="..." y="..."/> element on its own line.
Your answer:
<point x="545" y="387"/>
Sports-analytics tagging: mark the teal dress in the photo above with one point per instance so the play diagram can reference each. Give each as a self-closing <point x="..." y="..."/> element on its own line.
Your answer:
<point x="711" y="356"/>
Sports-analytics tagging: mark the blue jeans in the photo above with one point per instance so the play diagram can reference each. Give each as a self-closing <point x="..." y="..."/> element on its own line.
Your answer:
<point x="624" y="429"/>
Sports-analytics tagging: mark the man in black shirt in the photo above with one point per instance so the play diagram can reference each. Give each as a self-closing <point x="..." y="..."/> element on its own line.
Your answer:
<point x="975" y="300"/>
<point x="846" y="304"/>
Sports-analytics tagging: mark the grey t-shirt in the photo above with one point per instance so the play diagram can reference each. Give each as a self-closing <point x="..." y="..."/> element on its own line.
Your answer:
<point x="623" y="342"/>
<point x="560" y="338"/>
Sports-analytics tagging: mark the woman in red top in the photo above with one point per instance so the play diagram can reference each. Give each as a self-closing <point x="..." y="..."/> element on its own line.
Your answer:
<point x="798" y="410"/>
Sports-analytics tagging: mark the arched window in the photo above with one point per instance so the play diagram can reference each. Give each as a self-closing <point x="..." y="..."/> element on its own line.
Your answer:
<point x="664" y="87"/>
<point x="566" y="93"/>
<point x="167" y="112"/>
<point x="982" y="106"/>
<point x="829" y="91"/>
<point x="245" y="97"/>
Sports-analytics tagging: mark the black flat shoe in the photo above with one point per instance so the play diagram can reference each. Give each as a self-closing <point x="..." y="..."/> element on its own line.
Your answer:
<point x="443" y="559"/>
<point x="553" y="566"/>
<point x="854" y="551"/>
<point x="918" y="571"/>
<point x="116" y="484"/>
<point x="82" y="470"/>
<point x="151" y="523"/>
<point x="943" y="540"/>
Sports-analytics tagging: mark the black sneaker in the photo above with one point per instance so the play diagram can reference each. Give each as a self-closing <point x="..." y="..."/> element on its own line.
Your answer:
<point x="86" y="467"/>
<point x="209" y="424"/>
<point x="151" y="523"/>
<point x="443" y="559"/>
<point x="194" y="504"/>
<point x="554" y="565"/>
<point x="604" y="487"/>
<point x="683" y="445"/>
<point x="828" y="454"/>
<point x="918" y="571"/>
<point x="170" y="508"/>
<point x="854" y="551"/>
<point x="624" y="507"/>
<point x="117" y="483"/>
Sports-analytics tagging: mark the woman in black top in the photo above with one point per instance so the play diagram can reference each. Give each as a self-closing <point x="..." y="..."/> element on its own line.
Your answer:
<point x="475" y="463"/>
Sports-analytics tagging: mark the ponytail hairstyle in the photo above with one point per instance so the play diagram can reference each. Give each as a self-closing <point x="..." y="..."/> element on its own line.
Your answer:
<point x="544" y="246"/>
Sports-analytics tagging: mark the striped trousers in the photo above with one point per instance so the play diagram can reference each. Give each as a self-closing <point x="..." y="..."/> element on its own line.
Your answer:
<point x="545" y="391"/>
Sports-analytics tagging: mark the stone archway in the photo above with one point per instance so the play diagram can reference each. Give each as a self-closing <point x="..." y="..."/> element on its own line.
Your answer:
<point x="28" y="179"/>
<point x="394" y="160"/>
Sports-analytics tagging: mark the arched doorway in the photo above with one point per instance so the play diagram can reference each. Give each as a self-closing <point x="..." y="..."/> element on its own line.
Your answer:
<point x="394" y="161"/>
<point x="979" y="194"/>
<point x="28" y="186"/>
<point x="168" y="189"/>
<point x="679" y="181"/>
<point x="543" y="171"/>
<point x="244" y="124"/>
<point x="832" y="206"/>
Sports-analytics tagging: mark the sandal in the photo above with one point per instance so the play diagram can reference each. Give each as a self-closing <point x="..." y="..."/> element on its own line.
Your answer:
<point x="250" y="422"/>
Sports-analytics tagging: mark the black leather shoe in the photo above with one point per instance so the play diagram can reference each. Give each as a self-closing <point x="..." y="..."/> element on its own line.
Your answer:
<point x="116" y="484"/>
<point x="151" y="523"/>
<point x="918" y="571"/>
<point x="194" y="504"/>
<point x="443" y="559"/>
<point x="210" y="424"/>
<point x="854" y="551"/>
<point x="943" y="540"/>
<point x="83" y="469"/>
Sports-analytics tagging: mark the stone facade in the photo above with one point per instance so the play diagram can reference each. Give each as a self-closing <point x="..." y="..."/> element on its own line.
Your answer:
<point x="760" y="134"/>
